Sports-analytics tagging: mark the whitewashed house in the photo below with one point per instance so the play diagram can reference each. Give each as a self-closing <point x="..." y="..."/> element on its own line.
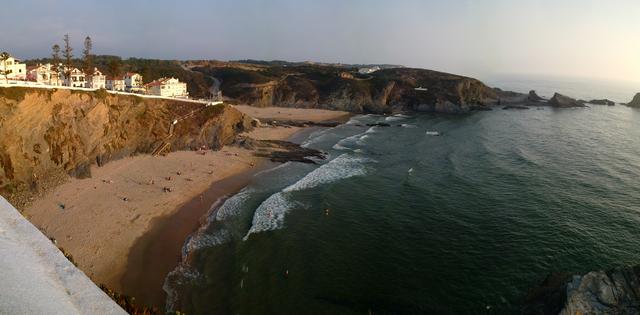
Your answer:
<point x="169" y="87"/>
<point x="44" y="74"/>
<point x="96" y="80"/>
<point x="18" y="69"/>
<point x="133" y="82"/>
<point x="76" y="78"/>
<point x="115" y="84"/>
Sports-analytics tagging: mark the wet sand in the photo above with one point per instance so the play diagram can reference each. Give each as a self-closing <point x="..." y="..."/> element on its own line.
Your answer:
<point x="159" y="251"/>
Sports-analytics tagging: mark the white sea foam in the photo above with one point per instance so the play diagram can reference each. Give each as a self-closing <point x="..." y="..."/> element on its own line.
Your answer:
<point x="203" y="239"/>
<point x="181" y="275"/>
<point x="409" y="126"/>
<point x="338" y="146"/>
<point x="371" y="130"/>
<point x="270" y="214"/>
<point x="231" y="207"/>
<point x="350" y="140"/>
<point x="394" y="118"/>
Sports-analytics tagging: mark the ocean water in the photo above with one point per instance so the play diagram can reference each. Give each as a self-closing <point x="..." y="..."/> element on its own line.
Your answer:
<point x="579" y="88"/>
<point x="397" y="221"/>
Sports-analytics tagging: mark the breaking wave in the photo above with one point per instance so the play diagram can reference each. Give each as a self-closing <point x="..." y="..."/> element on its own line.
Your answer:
<point x="270" y="214"/>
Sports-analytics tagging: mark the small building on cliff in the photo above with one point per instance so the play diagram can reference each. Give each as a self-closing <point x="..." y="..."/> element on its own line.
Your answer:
<point x="17" y="70"/>
<point x="75" y="78"/>
<point x="46" y="74"/>
<point x="133" y="82"/>
<point x="169" y="87"/>
<point x="115" y="84"/>
<point x="96" y="80"/>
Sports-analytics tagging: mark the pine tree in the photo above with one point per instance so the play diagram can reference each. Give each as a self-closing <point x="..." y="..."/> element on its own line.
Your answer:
<point x="55" y="60"/>
<point x="4" y="56"/>
<point x="68" y="56"/>
<point x="87" y="56"/>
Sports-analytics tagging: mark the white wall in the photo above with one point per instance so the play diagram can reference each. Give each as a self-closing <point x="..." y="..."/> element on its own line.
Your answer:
<point x="36" y="278"/>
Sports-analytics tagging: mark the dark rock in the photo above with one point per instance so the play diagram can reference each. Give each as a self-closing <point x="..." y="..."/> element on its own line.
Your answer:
<point x="379" y="125"/>
<point x="304" y="123"/>
<point x="533" y="97"/>
<point x="635" y="102"/>
<point x="479" y="108"/>
<point x="515" y="107"/>
<point x="549" y="297"/>
<point x="280" y="151"/>
<point x="615" y="291"/>
<point x="602" y="102"/>
<point x="562" y="101"/>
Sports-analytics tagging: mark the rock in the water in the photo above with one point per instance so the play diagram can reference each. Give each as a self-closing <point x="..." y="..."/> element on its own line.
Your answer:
<point x="602" y="102"/>
<point x="615" y="291"/>
<point x="533" y="97"/>
<point x="379" y="125"/>
<point x="559" y="100"/>
<point x="635" y="102"/>
<point x="515" y="107"/>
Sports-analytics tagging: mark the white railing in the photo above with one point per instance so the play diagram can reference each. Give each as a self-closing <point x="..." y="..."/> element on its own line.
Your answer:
<point x="52" y="87"/>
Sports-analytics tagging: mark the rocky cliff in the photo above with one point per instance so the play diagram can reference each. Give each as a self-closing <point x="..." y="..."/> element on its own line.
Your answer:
<point x="314" y="86"/>
<point x="635" y="102"/>
<point x="615" y="291"/>
<point x="47" y="134"/>
<point x="562" y="101"/>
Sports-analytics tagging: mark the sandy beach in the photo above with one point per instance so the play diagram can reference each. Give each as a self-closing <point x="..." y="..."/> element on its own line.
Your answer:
<point x="109" y="223"/>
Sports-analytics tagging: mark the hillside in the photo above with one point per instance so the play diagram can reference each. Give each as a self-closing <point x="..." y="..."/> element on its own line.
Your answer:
<point x="332" y="87"/>
<point x="47" y="134"/>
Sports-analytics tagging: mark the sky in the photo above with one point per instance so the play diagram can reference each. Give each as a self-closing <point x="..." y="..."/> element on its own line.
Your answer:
<point x="482" y="38"/>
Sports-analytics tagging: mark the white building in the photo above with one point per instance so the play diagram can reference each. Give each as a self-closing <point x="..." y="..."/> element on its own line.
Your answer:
<point x="368" y="70"/>
<point x="44" y="74"/>
<point x="133" y="82"/>
<point x="76" y="78"/>
<point x="97" y="80"/>
<point x="170" y="87"/>
<point x="115" y="84"/>
<point x="18" y="71"/>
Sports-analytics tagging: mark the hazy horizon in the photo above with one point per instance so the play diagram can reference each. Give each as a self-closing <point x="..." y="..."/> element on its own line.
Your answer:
<point x="576" y="39"/>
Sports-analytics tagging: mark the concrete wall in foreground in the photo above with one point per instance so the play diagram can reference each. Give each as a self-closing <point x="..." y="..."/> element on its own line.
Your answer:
<point x="36" y="278"/>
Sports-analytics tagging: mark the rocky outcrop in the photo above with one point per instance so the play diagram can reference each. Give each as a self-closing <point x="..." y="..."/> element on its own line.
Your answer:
<point x="602" y="102"/>
<point x="635" y="102"/>
<point x="46" y="135"/>
<point x="314" y="86"/>
<point x="280" y="151"/>
<point x="562" y="101"/>
<point x="533" y="97"/>
<point x="615" y="291"/>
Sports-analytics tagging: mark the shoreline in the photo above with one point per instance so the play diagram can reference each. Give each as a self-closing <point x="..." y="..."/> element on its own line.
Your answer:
<point x="115" y="223"/>
<point x="158" y="252"/>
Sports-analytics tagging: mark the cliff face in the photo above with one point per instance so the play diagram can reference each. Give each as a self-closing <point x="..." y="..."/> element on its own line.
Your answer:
<point x="329" y="88"/>
<point x="45" y="135"/>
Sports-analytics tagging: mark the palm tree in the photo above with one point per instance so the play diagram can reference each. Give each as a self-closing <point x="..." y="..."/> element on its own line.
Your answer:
<point x="4" y="56"/>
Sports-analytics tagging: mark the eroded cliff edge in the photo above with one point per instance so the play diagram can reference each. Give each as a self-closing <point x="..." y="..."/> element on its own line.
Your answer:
<point x="46" y="135"/>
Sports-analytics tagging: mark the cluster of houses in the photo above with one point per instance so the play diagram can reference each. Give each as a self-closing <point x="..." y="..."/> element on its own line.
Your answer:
<point x="51" y="75"/>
